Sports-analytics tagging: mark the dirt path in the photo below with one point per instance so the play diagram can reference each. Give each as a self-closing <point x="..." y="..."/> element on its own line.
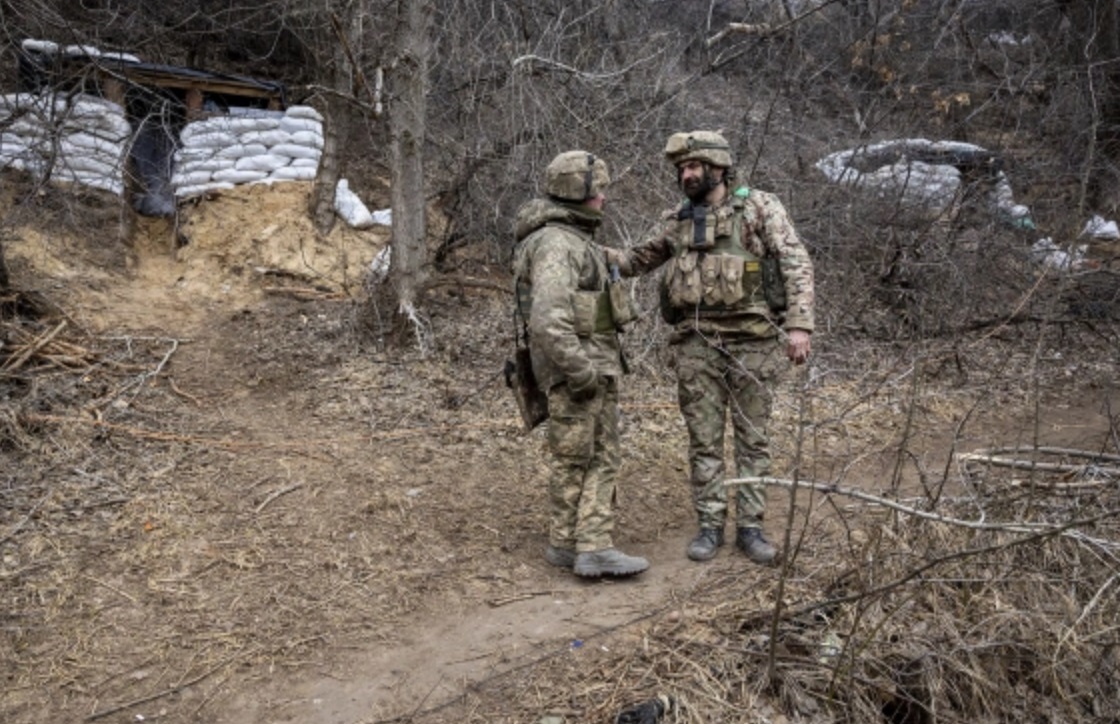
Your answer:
<point x="439" y="657"/>
<point x="525" y="611"/>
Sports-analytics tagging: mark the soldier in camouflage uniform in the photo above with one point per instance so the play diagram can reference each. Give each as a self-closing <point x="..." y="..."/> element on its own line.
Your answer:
<point x="561" y="279"/>
<point x="726" y="327"/>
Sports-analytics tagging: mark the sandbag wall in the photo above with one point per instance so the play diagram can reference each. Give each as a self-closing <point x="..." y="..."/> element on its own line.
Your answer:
<point x="922" y="174"/>
<point x="248" y="146"/>
<point x="81" y="139"/>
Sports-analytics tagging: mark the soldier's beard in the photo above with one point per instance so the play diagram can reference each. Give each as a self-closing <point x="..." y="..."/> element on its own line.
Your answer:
<point x="696" y="189"/>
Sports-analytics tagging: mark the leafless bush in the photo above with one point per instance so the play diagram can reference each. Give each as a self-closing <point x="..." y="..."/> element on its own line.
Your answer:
<point x="996" y="603"/>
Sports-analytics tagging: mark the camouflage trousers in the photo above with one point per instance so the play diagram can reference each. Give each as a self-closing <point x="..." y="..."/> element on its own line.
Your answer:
<point x="583" y="440"/>
<point x="717" y="376"/>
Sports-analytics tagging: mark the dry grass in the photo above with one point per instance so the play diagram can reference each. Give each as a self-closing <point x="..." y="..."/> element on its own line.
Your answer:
<point x="882" y="618"/>
<point x="183" y="517"/>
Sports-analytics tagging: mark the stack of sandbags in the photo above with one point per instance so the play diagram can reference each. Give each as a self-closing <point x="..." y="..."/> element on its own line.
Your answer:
<point x="248" y="146"/>
<point x="919" y="173"/>
<point x="904" y="170"/>
<point x="83" y="139"/>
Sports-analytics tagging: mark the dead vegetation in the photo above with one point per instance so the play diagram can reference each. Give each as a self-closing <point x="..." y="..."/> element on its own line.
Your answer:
<point x="186" y="514"/>
<point x="897" y="620"/>
<point x="991" y="598"/>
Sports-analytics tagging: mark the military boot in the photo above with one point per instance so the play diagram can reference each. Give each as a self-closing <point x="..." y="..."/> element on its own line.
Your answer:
<point x="757" y="548"/>
<point x="608" y="562"/>
<point x="705" y="545"/>
<point x="560" y="557"/>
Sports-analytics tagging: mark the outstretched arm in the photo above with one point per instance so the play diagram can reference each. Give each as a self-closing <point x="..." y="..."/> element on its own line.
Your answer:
<point x="644" y="258"/>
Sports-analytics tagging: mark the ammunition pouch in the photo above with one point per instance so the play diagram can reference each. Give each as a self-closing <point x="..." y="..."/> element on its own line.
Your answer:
<point x="711" y="280"/>
<point x="591" y="312"/>
<point x="669" y="313"/>
<point x="774" y="285"/>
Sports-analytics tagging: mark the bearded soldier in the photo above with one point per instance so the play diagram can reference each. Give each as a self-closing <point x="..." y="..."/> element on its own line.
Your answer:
<point x="737" y="280"/>
<point x="561" y="283"/>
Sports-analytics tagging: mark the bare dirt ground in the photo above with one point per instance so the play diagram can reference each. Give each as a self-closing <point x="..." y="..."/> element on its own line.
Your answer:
<point x="222" y="501"/>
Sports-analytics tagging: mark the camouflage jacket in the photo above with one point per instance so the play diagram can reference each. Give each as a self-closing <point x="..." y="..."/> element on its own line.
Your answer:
<point x="560" y="278"/>
<point x="767" y="232"/>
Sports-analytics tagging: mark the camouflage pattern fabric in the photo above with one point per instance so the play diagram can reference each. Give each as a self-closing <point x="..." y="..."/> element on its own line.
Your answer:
<point x="767" y="231"/>
<point x="771" y="233"/>
<point x="714" y="375"/>
<point x="583" y="440"/>
<point x="560" y="278"/>
<point x="559" y="273"/>
<point x="730" y="358"/>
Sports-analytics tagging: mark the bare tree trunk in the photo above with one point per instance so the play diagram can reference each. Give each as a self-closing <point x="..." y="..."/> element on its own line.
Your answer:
<point x="326" y="179"/>
<point x="407" y="130"/>
<point x="347" y="35"/>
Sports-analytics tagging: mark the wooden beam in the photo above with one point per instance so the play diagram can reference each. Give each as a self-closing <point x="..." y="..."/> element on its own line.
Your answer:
<point x="210" y="86"/>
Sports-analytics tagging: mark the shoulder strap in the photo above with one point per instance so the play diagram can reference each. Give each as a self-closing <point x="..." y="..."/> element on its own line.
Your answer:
<point x="739" y="200"/>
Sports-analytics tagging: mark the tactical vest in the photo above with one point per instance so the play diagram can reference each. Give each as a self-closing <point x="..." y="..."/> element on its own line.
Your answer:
<point x="712" y="274"/>
<point x="592" y="311"/>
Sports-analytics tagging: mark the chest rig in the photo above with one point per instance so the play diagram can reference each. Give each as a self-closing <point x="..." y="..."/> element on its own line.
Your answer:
<point x="717" y="265"/>
<point x="599" y="304"/>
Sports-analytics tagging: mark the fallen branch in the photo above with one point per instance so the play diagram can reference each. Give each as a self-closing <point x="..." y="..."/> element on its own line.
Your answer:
<point x="759" y="29"/>
<point x="829" y="489"/>
<point x="11" y="534"/>
<point x="995" y="457"/>
<point x="170" y="690"/>
<point x="114" y="589"/>
<point x="462" y="281"/>
<point x="307" y="295"/>
<point x="181" y="393"/>
<point x="277" y="494"/>
<point x="496" y="602"/>
<point x="43" y="341"/>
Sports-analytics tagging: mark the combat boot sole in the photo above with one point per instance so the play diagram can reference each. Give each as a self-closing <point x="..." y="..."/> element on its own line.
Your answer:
<point x="608" y="562"/>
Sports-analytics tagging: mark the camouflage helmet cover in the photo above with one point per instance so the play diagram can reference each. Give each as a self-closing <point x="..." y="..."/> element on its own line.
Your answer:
<point x="707" y="146"/>
<point x="576" y="176"/>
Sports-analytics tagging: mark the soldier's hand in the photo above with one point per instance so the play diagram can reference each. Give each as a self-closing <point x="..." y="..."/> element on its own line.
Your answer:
<point x="799" y="346"/>
<point x="584" y="389"/>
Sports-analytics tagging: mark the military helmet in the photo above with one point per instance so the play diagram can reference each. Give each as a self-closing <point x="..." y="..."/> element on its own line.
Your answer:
<point x="707" y="146"/>
<point x="576" y="176"/>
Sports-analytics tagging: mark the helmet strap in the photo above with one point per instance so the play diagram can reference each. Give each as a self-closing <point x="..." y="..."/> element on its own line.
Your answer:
<point x="589" y="176"/>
